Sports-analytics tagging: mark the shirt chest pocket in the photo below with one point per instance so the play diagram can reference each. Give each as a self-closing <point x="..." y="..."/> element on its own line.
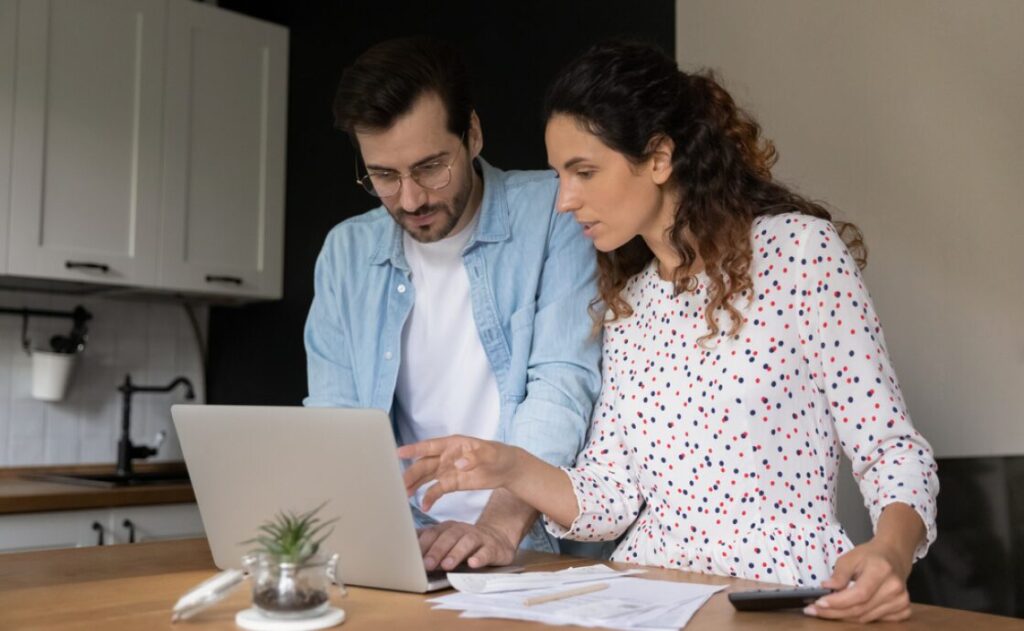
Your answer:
<point x="520" y="344"/>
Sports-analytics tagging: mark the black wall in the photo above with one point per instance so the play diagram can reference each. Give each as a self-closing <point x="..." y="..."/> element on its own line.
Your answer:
<point x="977" y="561"/>
<point x="513" y="50"/>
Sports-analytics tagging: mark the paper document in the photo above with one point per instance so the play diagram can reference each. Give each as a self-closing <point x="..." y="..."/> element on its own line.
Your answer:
<point x="493" y="582"/>
<point x="630" y="604"/>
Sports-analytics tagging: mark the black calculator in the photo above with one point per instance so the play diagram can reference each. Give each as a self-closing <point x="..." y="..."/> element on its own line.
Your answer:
<point x="768" y="599"/>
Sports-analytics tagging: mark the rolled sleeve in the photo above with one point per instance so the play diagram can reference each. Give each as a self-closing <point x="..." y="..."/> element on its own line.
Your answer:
<point x="328" y="363"/>
<point x="563" y="377"/>
<point x="604" y="479"/>
<point x="892" y="461"/>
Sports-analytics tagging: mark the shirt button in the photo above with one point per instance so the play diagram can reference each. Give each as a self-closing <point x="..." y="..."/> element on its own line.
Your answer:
<point x="401" y="289"/>
<point x="387" y="355"/>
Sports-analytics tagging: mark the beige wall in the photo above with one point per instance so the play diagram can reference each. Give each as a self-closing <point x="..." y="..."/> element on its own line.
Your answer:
<point x="908" y="118"/>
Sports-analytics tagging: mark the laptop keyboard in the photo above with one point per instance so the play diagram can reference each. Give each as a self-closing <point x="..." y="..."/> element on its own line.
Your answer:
<point x="437" y="575"/>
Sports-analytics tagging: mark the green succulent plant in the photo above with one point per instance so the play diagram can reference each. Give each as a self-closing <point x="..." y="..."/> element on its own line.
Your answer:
<point x="292" y="538"/>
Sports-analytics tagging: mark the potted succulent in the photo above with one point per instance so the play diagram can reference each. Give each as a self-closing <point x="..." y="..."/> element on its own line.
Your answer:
<point x="289" y="575"/>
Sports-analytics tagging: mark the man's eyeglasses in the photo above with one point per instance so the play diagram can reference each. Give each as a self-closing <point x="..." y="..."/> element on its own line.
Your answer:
<point x="433" y="175"/>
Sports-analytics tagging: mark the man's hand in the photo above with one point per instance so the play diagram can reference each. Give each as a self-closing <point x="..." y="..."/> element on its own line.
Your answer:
<point x="449" y="543"/>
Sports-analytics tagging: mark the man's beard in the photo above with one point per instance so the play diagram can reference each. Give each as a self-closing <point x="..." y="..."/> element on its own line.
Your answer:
<point x="448" y="215"/>
<point x="440" y="228"/>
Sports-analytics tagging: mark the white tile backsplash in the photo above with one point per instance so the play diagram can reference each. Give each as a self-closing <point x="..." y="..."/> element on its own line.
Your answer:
<point x="151" y="340"/>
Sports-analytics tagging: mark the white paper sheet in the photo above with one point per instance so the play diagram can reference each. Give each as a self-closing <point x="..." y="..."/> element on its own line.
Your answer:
<point x="494" y="582"/>
<point x="629" y="604"/>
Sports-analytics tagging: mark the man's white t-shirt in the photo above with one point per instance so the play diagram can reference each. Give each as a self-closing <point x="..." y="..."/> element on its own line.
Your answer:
<point x="445" y="383"/>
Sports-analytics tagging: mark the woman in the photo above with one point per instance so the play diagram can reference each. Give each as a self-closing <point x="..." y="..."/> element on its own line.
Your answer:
<point x="741" y="353"/>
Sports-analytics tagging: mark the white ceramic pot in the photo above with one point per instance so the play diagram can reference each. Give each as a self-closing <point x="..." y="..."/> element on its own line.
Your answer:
<point x="51" y="373"/>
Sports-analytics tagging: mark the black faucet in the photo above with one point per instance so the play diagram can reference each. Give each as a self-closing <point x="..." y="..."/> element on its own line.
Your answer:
<point x="126" y="451"/>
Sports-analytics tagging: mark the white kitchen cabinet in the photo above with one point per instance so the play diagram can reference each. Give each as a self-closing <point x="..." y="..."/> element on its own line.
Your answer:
<point x="225" y="103"/>
<point x="8" y="40"/>
<point x="79" y="528"/>
<point x="85" y="183"/>
<point x="142" y="144"/>
<point x="56" y="529"/>
<point x="151" y="523"/>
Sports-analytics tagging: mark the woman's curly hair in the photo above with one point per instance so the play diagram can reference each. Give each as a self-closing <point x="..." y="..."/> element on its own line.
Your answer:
<point x="631" y="95"/>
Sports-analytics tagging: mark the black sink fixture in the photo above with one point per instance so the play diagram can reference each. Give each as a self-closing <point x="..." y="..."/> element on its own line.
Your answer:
<point x="126" y="451"/>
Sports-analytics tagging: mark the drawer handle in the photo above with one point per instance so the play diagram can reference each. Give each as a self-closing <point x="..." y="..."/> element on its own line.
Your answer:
<point x="213" y="278"/>
<point x="98" y="527"/>
<point x="130" y="525"/>
<point x="86" y="265"/>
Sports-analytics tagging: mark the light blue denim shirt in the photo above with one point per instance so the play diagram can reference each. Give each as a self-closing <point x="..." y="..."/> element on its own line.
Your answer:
<point x="531" y="276"/>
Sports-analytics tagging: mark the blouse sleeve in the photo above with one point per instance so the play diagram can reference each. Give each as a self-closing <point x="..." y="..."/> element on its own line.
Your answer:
<point x="843" y="339"/>
<point x="604" y="477"/>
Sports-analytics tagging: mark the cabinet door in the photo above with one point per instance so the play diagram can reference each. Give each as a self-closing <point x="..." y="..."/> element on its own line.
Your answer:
<point x="8" y="24"/>
<point x="85" y="185"/>
<point x="56" y="529"/>
<point x="222" y="228"/>
<point x="150" y="523"/>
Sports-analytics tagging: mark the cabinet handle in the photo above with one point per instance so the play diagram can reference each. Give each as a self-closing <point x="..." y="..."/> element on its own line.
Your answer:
<point x="98" y="527"/>
<point x="213" y="278"/>
<point x="127" y="523"/>
<point x="86" y="265"/>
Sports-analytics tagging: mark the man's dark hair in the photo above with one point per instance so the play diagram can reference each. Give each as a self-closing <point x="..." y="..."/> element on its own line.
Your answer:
<point x="384" y="82"/>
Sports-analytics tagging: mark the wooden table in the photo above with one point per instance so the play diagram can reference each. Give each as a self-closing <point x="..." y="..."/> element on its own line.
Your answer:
<point x="134" y="586"/>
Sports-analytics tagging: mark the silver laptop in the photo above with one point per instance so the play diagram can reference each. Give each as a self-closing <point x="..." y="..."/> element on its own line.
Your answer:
<point x="247" y="463"/>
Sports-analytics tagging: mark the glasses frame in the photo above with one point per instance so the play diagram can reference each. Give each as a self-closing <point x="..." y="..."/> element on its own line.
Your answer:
<point x="367" y="184"/>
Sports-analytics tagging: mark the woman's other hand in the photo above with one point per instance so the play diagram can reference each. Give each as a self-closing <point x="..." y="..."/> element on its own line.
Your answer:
<point x="871" y="579"/>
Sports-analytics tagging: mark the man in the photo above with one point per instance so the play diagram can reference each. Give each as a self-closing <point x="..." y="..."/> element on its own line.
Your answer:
<point x="460" y="304"/>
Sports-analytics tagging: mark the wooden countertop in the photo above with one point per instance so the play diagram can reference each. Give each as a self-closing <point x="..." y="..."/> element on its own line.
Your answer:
<point x="20" y="494"/>
<point x="134" y="586"/>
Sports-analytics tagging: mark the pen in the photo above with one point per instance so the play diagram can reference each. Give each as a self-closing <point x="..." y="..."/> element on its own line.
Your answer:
<point x="569" y="593"/>
<point x="206" y="593"/>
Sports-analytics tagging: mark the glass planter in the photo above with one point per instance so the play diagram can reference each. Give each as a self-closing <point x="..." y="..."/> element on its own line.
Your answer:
<point x="290" y="590"/>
